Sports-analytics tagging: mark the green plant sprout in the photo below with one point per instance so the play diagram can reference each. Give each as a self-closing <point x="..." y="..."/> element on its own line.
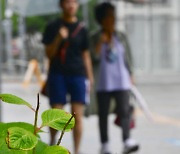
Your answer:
<point x="23" y="138"/>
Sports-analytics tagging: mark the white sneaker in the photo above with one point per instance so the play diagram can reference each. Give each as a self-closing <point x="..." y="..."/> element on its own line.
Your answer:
<point x="105" y="148"/>
<point x="130" y="146"/>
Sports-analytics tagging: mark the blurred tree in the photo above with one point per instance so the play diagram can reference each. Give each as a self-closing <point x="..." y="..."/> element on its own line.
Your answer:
<point x="15" y="24"/>
<point x="3" y="8"/>
<point x="37" y="23"/>
<point x="92" y="23"/>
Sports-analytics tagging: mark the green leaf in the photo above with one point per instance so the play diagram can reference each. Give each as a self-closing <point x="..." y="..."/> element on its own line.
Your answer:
<point x="12" y="99"/>
<point x="3" y="134"/>
<point x="57" y="119"/>
<point x="21" y="139"/>
<point x="55" y="150"/>
<point x="5" y="126"/>
<point x="40" y="147"/>
<point x="5" y="150"/>
<point x="2" y="129"/>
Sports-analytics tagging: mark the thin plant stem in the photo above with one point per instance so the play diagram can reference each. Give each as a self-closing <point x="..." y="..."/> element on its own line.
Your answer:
<point x="38" y="129"/>
<point x="33" y="109"/>
<point x="63" y="131"/>
<point x="36" y="118"/>
<point x="36" y="114"/>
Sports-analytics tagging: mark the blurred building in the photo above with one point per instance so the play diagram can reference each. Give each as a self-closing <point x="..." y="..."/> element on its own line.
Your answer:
<point x="152" y="26"/>
<point x="153" y="29"/>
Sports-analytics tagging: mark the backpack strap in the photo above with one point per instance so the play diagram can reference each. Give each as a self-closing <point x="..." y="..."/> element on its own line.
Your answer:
<point x="78" y="28"/>
<point x="67" y="43"/>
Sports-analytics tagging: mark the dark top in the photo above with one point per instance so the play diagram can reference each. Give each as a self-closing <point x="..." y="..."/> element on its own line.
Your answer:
<point x="73" y="64"/>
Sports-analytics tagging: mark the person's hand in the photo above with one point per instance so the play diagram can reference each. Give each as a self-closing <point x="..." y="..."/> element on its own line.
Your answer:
<point x="63" y="32"/>
<point x="104" y="38"/>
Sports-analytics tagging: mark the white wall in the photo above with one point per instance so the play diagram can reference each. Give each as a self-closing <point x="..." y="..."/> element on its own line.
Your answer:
<point x="154" y="34"/>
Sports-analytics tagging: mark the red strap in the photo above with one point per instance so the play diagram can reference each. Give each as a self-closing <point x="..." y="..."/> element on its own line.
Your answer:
<point x="63" y="52"/>
<point x="66" y="45"/>
<point x="78" y="28"/>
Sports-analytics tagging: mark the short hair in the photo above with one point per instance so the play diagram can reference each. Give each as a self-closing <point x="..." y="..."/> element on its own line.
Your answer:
<point x="101" y="11"/>
<point x="60" y="2"/>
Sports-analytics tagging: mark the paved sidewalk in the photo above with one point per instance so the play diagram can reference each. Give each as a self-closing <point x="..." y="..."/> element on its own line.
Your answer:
<point x="160" y="137"/>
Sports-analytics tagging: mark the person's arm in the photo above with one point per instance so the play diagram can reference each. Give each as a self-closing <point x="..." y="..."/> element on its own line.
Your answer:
<point x="52" y="48"/>
<point x="98" y="47"/>
<point x="88" y="66"/>
<point x="102" y="38"/>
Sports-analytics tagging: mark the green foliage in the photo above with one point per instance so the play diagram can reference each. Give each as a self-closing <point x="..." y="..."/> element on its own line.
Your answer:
<point x="37" y="23"/>
<point x="12" y="99"/>
<point x="15" y="24"/>
<point x="5" y="150"/>
<point x="2" y="8"/>
<point x="4" y="129"/>
<point x="40" y="147"/>
<point x="56" y="150"/>
<point x="92" y="23"/>
<point x="5" y="126"/>
<point x="21" y="139"/>
<point x="57" y="119"/>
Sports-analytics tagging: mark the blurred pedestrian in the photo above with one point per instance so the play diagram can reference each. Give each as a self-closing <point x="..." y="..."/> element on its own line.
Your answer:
<point x="114" y="76"/>
<point x="66" y="45"/>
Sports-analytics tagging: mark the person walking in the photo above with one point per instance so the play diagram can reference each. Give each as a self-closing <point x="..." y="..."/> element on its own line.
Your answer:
<point x="114" y="76"/>
<point x="66" y="46"/>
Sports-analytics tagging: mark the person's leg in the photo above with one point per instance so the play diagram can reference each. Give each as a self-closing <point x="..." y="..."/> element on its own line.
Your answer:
<point x="103" y="99"/>
<point x="123" y="110"/>
<point x="77" y="89"/>
<point x="57" y="97"/>
<point x="77" y="108"/>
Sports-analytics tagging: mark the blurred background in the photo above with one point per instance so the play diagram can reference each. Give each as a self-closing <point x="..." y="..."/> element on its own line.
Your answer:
<point x="153" y="29"/>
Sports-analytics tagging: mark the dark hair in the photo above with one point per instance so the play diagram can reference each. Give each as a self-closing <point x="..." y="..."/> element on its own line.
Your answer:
<point x="60" y="2"/>
<point x="101" y="11"/>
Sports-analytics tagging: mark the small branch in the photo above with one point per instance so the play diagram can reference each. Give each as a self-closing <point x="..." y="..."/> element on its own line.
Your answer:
<point x="36" y="114"/>
<point x="36" y="118"/>
<point x="63" y="131"/>
<point x="8" y="138"/>
<point x="32" y="109"/>
<point x="38" y="129"/>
